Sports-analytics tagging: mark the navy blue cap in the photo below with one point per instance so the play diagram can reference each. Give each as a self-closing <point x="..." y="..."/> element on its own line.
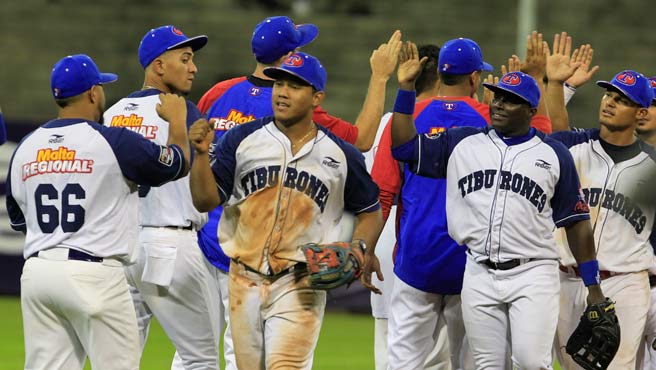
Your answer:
<point x="276" y="36"/>
<point x="633" y="85"/>
<point x="519" y="84"/>
<point x="161" y="39"/>
<point x="461" y="56"/>
<point x="303" y="66"/>
<point x="76" y="74"/>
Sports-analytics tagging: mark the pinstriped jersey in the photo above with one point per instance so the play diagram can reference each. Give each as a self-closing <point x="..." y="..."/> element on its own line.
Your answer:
<point x="170" y="204"/>
<point x="503" y="196"/>
<point x="621" y="226"/>
<point x="71" y="184"/>
<point x="275" y="201"/>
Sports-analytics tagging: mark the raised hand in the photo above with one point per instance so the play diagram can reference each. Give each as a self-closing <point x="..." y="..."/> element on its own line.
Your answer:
<point x="384" y="59"/>
<point x="201" y="135"/>
<point x="560" y="67"/>
<point x="488" y="95"/>
<point x="409" y="66"/>
<point x="536" y="56"/>
<point x="583" y="73"/>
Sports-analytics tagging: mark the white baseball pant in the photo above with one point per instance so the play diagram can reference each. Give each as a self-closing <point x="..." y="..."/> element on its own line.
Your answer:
<point x="275" y="320"/>
<point x="75" y="309"/>
<point x="520" y="304"/>
<point x="630" y="292"/>
<point x="174" y="283"/>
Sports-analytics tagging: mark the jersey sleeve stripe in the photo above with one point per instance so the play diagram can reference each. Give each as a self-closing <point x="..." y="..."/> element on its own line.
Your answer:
<point x="572" y="218"/>
<point x="369" y="208"/>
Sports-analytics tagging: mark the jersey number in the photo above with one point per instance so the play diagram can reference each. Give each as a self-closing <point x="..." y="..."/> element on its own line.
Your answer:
<point x="71" y="217"/>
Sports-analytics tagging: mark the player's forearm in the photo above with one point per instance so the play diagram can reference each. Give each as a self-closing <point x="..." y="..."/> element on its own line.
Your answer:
<point x="555" y="100"/>
<point x="204" y="193"/>
<point x="368" y="227"/>
<point x="581" y="243"/>
<point x="178" y="136"/>
<point x="403" y="126"/>
<point x="371" y="113"/>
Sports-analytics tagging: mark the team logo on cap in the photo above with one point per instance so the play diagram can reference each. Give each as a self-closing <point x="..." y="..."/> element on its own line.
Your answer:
<point x="294" y="61"/>
<point x="626" y="78"/>
<point x="177" y="31"/>
<point x="511" y="79"/>
<point x="652" y="83"/>
<point x="56" y="91"/>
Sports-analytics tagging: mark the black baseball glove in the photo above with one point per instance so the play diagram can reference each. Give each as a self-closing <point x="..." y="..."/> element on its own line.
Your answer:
<point x="597" y="337"/>
<point x="335" y="264"/>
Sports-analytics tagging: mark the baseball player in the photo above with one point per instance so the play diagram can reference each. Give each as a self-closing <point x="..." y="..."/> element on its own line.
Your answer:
<point x="612" y="164"/>
<point x="283" y="181"/>
<point x="646" y="130"/>
<point x="170" y="279"/>
<point x="71" y="189"/>
<point x="427" y="87"/>
<point x="507" y="187"/>
<point x="238" y="101"/>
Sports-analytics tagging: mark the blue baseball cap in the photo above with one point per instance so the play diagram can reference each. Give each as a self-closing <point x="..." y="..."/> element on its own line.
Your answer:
<point x="461" y="56"/>
<point x="277" y="36"/>
<point x="519" y="84"/>
<point x="76" y="74"/>
<point x="303" y="66"/>
<point x="161" y="39"/>
<point x="633" y="85"/>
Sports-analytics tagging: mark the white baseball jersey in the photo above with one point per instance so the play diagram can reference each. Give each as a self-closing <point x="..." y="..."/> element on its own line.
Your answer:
<point x="275" y="201"/>
<point x="71" y="184"/>
<point x="504" y="196"/>
<point x="622" y="227"/>
<point x="170" y="204"/>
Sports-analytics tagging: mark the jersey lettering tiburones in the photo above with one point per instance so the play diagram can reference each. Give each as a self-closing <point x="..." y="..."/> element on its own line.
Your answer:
<point x="71" y="184"/>
<point x="170" y="204"/>
<point x="622" y="227"/>
<point x="275" y="201"/>
<point x="535" y="188"/>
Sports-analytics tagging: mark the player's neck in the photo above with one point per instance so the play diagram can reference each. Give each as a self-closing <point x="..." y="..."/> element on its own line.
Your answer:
<point x="455" y="90"/>
<point x="298" y="133"/>
<point x="88" y="113"/>
<point x="649" y="138"/>
<point x="619" y="137"/>
<point x="259" y="71"/>
<point x="150" y="83"/>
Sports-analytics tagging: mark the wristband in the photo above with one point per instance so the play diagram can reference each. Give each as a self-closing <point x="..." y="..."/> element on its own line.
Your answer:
<point x="405" y="102"/>
<point x="589" y="271"/>
<point x="568" y="91"/>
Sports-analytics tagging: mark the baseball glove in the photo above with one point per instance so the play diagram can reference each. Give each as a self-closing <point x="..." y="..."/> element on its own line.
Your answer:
<point x="332" y="265"/>
<point x="597" y="337"/>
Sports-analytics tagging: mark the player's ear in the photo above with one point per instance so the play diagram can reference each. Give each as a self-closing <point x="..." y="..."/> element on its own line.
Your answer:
<point x="157" y="65"/>
<point x="642" y="113"/>
<point x="317" y="98"/>
<point x="92" y="94"/>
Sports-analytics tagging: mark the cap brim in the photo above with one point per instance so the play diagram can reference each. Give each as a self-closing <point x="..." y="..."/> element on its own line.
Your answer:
<point x="196" y="43"/>
<point x="496" y="88"/>
<point x="277" y="73"/>
<point x="487" y="67"/>
<point x="607" y="85"/>
<point x="308" y="31"/>
<point x="106" y="78"/>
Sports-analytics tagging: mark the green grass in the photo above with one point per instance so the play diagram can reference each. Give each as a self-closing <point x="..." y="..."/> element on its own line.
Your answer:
<point x="346" y="342"/>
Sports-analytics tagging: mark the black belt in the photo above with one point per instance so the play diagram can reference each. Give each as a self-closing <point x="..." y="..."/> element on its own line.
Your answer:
<point x="507" y="265"/>
<point x="77" y="256"/>
<point x="297" y="267"/>
<point x="190" y="227"/>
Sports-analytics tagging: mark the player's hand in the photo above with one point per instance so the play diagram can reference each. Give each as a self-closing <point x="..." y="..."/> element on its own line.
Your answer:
<point x="488" y="94"/>
<point x="560" y="67"/>
<point x="409" y="65"/>
<point x="583" y="73"/>
<point x="371" y="264"/>
<point x="384" y="59"/>
<point x="201" y="135"/>
<point x="536" y="56"/>
<point x="172" y="108"/>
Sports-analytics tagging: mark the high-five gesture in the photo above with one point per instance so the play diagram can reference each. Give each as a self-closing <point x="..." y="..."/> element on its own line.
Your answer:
<point x="583" y="73"/>
<point x="409" y="65"/>
<point x="560" y="66"/>
<point x="536" y="56"/>
<point x="383" y="60"/>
